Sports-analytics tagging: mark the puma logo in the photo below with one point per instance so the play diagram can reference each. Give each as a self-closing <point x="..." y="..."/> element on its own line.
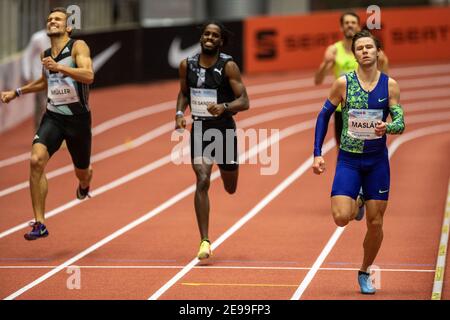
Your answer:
<point x="218" y="71"/>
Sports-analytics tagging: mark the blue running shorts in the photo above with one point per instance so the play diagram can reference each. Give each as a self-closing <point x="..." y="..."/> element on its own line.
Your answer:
<point x="369" y="171"/>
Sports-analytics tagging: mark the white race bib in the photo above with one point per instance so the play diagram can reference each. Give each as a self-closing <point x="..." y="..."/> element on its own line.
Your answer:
<point x="200" y="99"/>
<point x="362" y="122"/>
<point x="61" y="90"/>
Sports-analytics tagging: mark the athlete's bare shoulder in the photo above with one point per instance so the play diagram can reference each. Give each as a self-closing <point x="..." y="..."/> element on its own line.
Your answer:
<point x="80" y="44"/>
<point x="394" y="92"/>
<point x="341" y="82"/>
<point x="338" y="90"/>
<point x="393" y="84"/>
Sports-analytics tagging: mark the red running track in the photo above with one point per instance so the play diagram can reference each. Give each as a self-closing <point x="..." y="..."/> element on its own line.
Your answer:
<point x="271" y="253"/>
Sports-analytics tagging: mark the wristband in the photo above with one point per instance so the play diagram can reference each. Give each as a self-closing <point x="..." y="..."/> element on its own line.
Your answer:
<point x="179" y="113"/>
<point x="18" y="92"/>
<point x="225" y="106"/>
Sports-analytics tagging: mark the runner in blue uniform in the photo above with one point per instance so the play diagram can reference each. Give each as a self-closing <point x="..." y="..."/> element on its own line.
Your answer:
<point x="367" y="96"/>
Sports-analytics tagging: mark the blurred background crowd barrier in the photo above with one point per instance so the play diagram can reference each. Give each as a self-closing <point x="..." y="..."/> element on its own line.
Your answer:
<point x="135" y="41"/>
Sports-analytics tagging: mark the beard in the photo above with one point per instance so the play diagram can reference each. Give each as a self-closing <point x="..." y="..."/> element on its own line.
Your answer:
<point x="55" y="34"/>
<point x="349" y="34"/>
<point x="210" y="51"/>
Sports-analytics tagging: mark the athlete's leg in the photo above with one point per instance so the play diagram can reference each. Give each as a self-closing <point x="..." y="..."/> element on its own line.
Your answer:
<point x="229" y="167"/>
<point x="84" y="176"/>
<point x="230" y="179"/>
<point x="202" y="171"/>
<point x="38" y="181"/>
<point x="376" y="185"/>
<point x="79" y="140"/>
<point x="46" y="142"/>
<point x="346" y="185"/>
<point x="374" y="234"/>
<point x="344" y="209"/>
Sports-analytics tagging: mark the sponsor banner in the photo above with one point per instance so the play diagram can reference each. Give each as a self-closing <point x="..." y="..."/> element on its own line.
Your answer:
<point x="147" y="54"/>
<point x="115" y="56"/>
<point x="164" y="48"/>
<point x="295" y="42"/>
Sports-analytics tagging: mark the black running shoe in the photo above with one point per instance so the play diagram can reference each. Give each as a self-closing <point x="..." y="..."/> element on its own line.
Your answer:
<point x="82" y="193"/>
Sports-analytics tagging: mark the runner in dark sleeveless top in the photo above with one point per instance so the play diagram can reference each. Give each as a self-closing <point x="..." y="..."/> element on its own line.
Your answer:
<point x="210" y="83"/>
<point x="67" y="73"/>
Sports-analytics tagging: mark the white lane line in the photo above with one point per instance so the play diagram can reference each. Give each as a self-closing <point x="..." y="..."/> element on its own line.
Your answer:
<point x="339" y="230"/>
<point x="316" y="266"/>
<point x="286" y="132"/>
<point x="419" y="70"/>
<point x="442" y="252"/>
<point x="249" y="215"/>
<point x="149" y="136"/>
<point x="109" y="124"/>
<point x="167" y="159"/>
<point x="168" y="127"/>
<point x="157" y="164"/>
<point x="397" y="73"/>
<point x="257" y="89"/>
<point x="209" y="267"/>
<point x="254" y="151"/>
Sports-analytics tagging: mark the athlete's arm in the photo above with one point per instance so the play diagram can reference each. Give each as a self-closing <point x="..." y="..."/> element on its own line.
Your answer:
<point x="83" y="73"/>
<point x="182" y="100"/>
<point x="383" y="62"/>
<point x="326" y="66"/>
<point x="241" y="102"/>
<point x="335" y="97"/>
<point x="397" y="126"/>
<point x="34" y="86"/>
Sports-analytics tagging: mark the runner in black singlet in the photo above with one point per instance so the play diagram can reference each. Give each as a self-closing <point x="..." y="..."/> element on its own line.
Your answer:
<point x="210" y="83"/>
<point x="67" y="73"/>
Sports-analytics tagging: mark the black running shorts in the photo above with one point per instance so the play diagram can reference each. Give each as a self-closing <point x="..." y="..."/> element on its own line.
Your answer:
<point x="75" y="129"/>
<point x="215" y="140"/>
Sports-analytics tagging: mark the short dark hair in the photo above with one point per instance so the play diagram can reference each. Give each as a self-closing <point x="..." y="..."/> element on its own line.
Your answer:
<point x="62" y="10"/>
<point x="349" y="13"/>
<point x="365" y="34"/>
<point x="225" y="34"/>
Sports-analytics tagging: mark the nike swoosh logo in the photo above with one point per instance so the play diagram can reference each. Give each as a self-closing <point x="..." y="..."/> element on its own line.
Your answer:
<point x="381" y="100"/>
<point x="176" y="54"/>
<point x="383" y="191"/>
<point x="100" y="59"/>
